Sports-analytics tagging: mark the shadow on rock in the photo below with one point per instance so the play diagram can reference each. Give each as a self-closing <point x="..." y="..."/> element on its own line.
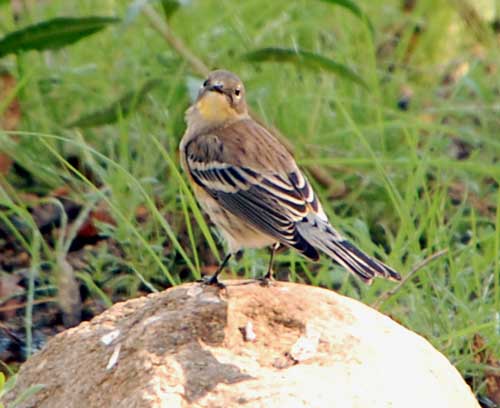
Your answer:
<point x="203" y="371"/>
<point x="191" y="339"/>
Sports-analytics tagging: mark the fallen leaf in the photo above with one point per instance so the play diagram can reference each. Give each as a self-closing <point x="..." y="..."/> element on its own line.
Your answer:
<point x="141" y="213"/>
<point x="405" y="97"/>
<point x="101" y="214"/>
<point x="68" y="293"/>
<point x="207" y="270"/>
<point x="456" y="73"/>
<point x="62" y="191"/>
<point x="492" y="373"/>
<point x="8" y="288"/>
<point x="10" y="116"/>
<point x="460" y="149"/>
<point x="458" y="192"/>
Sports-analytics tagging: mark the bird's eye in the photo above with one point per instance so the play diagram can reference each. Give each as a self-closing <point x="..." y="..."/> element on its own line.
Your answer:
<point x="237" y="91"/>
<point x="205" y="83"/>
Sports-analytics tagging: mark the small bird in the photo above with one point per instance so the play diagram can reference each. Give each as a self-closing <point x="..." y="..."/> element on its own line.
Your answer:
<point x="252" y="189"/>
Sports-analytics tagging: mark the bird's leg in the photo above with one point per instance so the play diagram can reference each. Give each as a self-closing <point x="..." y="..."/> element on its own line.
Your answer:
<point x="269" y="275"/>
<point x="213" y="279"/>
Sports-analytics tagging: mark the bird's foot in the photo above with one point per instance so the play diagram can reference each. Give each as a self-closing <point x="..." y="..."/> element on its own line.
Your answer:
<point x="211" y="280"/>
<point x="266" y="279"/>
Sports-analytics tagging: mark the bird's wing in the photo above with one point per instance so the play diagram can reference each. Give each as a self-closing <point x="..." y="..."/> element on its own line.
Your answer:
<point x="252" y="176"/>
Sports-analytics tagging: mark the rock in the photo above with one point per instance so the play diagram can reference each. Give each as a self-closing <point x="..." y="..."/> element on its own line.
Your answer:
<point x="286" y="345"/>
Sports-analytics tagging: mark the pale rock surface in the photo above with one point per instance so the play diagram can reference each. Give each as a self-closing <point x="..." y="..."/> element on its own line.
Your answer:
<point x="286" y="345"/>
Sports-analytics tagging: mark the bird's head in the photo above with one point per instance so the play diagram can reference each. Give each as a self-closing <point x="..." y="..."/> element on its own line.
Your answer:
<point x="221" y="98"/>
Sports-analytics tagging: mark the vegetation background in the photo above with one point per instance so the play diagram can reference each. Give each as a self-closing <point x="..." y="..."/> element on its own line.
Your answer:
<point x="392" y="107"/>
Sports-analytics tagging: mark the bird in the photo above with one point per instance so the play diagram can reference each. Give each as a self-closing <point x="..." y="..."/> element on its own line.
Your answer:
<point x="252" y="189"/>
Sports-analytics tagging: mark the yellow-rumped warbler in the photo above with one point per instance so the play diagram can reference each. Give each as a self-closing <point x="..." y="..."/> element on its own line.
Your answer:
<point x="251" y="188"/>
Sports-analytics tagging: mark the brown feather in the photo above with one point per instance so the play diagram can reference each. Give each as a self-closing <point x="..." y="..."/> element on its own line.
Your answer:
<point x="251" y="187"/>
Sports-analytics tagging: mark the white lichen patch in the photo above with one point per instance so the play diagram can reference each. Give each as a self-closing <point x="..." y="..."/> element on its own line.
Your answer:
<point x="114" y="357"/>
<point x="194" y="290"/>
<point x="249" y="334"/>
<point x="307" y="345"/>
<point x="108" y="338"/>
<point x="210" y="298"/>
<point x="150" y="320"/>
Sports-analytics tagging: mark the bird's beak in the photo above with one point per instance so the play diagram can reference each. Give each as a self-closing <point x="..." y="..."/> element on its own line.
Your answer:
<point x="216" y="88"/>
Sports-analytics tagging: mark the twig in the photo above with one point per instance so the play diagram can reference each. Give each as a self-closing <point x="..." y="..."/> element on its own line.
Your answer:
<point x="15" y="306"/>
<point x="198" y="66"/>
<point x="176" y="43"/>
<point x="408" y="277"/>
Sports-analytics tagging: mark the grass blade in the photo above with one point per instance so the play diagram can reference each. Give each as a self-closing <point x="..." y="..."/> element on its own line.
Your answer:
<point x="190" y="199"/>
<point x="170" y="7"/>
<point x="52" y="34"/>
<point x="28" y="393"/>
<point x="119" y="215"/>
<point x="118" y="109"/>
<point x="353" y="8"/>
<point x="305" y="58"/>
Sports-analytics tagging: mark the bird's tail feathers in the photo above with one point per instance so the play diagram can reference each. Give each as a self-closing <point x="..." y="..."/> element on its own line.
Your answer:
<point x="322" y="236"/>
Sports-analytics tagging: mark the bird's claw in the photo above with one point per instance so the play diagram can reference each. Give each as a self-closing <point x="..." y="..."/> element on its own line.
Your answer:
<point x="211" y="280"/>
<point x="266" y="279"/>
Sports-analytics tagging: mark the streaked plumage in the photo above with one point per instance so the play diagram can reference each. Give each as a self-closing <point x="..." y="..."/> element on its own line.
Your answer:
<point x="250" y="185"/>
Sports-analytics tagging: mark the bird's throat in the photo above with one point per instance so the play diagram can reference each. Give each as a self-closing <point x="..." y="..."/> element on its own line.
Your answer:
<point x="214" y="108"/>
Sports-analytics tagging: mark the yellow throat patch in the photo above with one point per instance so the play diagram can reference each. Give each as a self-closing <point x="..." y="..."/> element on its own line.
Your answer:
<point x="214" y="107"/>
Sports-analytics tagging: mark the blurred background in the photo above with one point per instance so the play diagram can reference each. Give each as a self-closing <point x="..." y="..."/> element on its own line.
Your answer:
<point x="391" y="107"/>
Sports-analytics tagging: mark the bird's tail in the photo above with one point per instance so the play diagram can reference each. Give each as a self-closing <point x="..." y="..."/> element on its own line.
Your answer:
<point x="321" y="235"/>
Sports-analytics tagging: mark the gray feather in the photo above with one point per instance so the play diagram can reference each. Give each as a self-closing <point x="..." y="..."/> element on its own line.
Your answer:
<point x="322" y="236"/>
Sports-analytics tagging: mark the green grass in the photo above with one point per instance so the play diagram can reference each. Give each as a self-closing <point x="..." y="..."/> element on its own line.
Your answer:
<point x="397" y="165"/>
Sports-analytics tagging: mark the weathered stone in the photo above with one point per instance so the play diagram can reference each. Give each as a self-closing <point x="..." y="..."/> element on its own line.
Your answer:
<point x="286" y="345"/>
